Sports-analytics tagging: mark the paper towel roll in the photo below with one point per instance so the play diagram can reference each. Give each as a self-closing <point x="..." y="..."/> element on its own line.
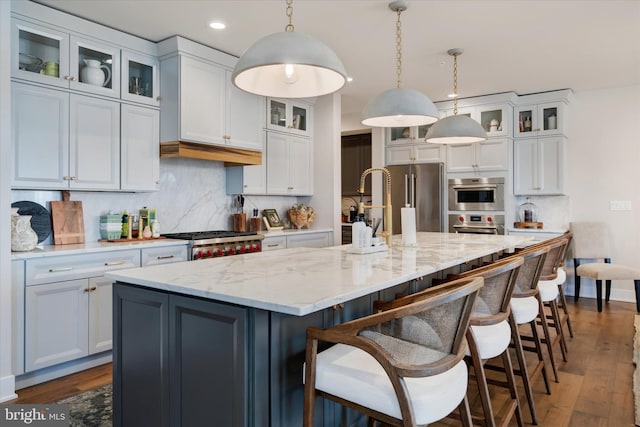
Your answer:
<point x="408" y="223"/>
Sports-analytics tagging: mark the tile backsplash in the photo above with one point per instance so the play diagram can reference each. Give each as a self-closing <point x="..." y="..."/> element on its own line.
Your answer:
<point x="192" y="197"/>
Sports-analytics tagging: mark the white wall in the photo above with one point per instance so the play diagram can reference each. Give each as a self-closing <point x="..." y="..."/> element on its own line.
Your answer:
<point x="604" y="162"/>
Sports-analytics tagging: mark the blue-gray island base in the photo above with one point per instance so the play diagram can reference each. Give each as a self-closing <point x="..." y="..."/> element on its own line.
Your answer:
<point x="222" y="341"/>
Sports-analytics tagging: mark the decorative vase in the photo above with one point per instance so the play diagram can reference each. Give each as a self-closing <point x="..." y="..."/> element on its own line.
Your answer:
<point x="23" y="238"/>
<point x="92" y="73"/>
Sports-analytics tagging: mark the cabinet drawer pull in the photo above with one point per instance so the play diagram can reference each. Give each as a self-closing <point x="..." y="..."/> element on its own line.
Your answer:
<point x="57" y="270"/>
<point x="66" y="178"/>
<point x="109" y="264"/>
<point x="289" y="188"/>
<point x="273" y="245"/>
<point x="165" y="256"/>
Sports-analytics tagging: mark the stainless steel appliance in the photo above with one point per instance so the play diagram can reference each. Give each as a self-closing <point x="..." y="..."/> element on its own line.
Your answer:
<point x="476" y="194"/>
<point x="210" y="244"/>
<point x="421" y="186"/>
<point x="476" y="223"/>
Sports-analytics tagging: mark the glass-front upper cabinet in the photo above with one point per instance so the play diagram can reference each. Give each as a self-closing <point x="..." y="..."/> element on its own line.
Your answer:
<point x="289" y="116"/>
<point x="539" y="120"/>
<point x="140" y="78"/>
<point x="494" y="119"/>
<point x="39" y="54"/>
<point x="47" y="56"/>
<point x="407" y="135"/>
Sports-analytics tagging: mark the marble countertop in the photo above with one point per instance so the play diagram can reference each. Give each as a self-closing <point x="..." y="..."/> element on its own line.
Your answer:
<point x="300" y="281"/>
<point x="292" y="231"/>
<point x="92" y="247"/>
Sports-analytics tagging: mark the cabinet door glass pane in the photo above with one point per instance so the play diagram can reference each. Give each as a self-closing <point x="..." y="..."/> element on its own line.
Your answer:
<point x="95" y="67"/>
<point x="524" y="120"/>
<point x="549" y="118"/>
<point x="491" y="120"/>
<point x="400" y="133"/>
<point x="278" y="114"/>
<point x="140" y="79"/>
<point x="38" y="53"/>
<point x="299" y="119"/>
<point x="422" y="131"/>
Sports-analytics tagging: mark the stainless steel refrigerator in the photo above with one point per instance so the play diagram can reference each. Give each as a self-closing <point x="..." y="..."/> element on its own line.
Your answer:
<point x="421" y="186"/>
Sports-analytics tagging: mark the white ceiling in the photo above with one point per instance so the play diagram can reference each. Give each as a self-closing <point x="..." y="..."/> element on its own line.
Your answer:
<point x="524" y="46"/>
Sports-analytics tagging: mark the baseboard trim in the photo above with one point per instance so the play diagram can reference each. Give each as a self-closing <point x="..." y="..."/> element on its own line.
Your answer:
<point x="8" y="388"/>
<point x="57" y="371"/>
<point x="589" y="291"/>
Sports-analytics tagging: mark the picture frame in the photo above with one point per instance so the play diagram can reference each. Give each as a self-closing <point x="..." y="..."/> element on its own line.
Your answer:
<point x="272" y="219"/>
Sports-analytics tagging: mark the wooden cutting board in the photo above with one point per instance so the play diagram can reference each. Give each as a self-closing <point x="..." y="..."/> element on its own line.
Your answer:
<point x="67" y="221"/>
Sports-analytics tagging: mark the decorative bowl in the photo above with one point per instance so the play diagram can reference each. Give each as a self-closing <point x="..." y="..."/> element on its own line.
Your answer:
<point x="301" y="216"/>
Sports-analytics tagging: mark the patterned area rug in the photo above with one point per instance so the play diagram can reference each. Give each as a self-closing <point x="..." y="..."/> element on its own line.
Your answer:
<point x="92" y="408"/>
<point x="636" y="374"/>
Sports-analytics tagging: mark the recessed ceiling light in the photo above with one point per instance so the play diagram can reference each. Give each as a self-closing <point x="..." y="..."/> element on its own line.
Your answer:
<point x="217" y="25"/>
<point x="452" y="95"/>
<point x="349" y="79"/>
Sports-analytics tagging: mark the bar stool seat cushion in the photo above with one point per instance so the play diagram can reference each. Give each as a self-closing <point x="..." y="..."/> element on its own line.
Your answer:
<point x="354" y="375"/>
<point x="562" y="276"/>
<point x="492" y="340"/>
<point x="548" y="290"/>
<point x="524" y="310"/>
<point x="603" y="271"/>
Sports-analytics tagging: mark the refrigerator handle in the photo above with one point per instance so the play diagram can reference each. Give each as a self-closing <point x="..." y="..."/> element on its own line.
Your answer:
<point x="413" y="190"/>
<point x="406" y="189"/>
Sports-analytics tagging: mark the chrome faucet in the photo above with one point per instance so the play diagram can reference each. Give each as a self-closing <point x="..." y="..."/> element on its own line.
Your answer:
<point x="387" y="206"/>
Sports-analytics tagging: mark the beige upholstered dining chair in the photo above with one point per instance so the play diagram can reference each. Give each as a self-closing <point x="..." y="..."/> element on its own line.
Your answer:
<point x="403" y="366"/>
<point x="591" y="243"/>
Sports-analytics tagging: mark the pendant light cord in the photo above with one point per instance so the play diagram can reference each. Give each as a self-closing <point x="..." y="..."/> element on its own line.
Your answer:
<point x="398" y="48"/>
<point x="289" y="27"/>
<point x="455" y="85"/>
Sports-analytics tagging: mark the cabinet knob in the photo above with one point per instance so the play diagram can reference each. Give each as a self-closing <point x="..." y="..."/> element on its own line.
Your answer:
<point x="338" y="306"/>
<point x="158" y="182"/>
<point x="72" y="178"/>
<point x="157" y="98"/>
<point x="245" y="186"/>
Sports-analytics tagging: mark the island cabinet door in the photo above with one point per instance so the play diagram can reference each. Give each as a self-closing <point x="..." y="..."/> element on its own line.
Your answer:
<point x="140" y="357"/>
<point x="208" y="361"/>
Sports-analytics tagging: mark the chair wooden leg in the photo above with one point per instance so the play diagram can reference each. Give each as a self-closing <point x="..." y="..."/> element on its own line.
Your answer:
<point x="506" y="359"/>
<point x="465" y="413"/>
<point x="524" y="372"/>
<point x="538" y="347"/>
<point x="481" y="381"/>
<point x="599" y="295"/>
<point x="576" y="290"/>
<point x="547" y="337"/>
<point x="607" y="295"/>
<point x="566" y="318"/>
<point x="555" y="314"/>
<point x="637" y="283"/>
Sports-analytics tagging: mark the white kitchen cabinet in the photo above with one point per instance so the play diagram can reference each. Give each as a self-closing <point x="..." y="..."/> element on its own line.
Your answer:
<point x="489" y="155"/>
<point x="68" y="306"/>
<point x="420" y="152"/>
<point x="200" y="104"/>
<point x="140" y="151"/>
<point x="290" y="116"/>
<point x="539" y="120"/>
<point x="94" y="143"/>
<point x="406" y="135"/>
<point x="320" y="239"/>
<point x="140" y="78"/>
<point x="77" y="139"/>
<point x="164" y="255"/>
<point x="17" y="316"/>
<point x="289" y="165"/>
<point x="309" y="240"/>
<point x="486" y="115"/>
<point x="56" y="323"/>
<point x="34" y="46"/>
<point x="539" y="166"/>
<point x="249" y="180"/>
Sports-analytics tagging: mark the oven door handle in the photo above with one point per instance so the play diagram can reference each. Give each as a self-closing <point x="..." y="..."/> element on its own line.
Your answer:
<point x="475" y="187"/>
<point x="475" y="230"/>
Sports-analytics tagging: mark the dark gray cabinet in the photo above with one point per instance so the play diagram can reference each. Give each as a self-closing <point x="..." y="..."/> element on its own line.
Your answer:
<point x="356" y="157"/>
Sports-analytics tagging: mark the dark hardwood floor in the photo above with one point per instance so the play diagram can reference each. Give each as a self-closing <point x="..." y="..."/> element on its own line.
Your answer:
<point x="594" y="389"/>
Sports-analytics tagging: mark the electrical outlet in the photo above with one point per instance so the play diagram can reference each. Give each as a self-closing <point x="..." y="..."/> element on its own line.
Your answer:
<point x="620" y="205"/>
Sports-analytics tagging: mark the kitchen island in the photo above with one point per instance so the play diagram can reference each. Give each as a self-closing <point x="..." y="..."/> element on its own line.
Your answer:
<point x="221" y="341"/>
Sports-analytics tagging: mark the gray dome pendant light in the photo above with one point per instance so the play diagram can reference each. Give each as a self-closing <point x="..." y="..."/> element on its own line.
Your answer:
<point x="399" y="107"/>
<point x="455" y="129"/>
<point x="289" y="65"/>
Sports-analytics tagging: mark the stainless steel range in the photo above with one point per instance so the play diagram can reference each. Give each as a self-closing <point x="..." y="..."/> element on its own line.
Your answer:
<point x="210" y="244"/>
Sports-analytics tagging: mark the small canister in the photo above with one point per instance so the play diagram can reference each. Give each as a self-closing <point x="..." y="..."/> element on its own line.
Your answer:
<point x="155" y="228"/>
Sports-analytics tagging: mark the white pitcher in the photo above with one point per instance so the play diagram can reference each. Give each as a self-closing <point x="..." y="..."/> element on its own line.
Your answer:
<point x="92" y="73"/>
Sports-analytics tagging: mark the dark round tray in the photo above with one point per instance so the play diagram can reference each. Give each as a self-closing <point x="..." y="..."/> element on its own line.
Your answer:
<point x="40" y="217"/>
